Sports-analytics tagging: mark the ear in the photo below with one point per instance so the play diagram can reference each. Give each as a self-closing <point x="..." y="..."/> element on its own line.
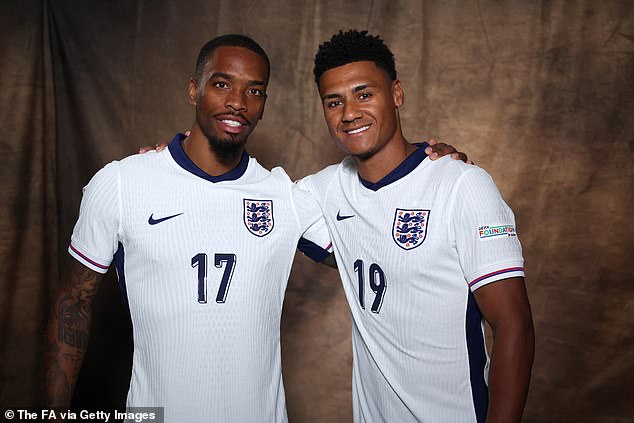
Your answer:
<point x="397" y="92"/>
<point x="193" y="91"/>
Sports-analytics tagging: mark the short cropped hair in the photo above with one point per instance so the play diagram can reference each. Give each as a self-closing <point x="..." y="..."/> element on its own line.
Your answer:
<point x="353" y="46"/>
<point x="232" y="40"/>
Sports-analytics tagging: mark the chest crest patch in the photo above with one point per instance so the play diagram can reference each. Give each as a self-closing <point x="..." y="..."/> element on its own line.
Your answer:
<point x="409" y="229"/>
<point x="258" y="216"/>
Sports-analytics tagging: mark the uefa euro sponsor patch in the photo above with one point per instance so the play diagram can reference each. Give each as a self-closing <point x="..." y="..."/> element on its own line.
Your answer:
<point x="495" y="231"/>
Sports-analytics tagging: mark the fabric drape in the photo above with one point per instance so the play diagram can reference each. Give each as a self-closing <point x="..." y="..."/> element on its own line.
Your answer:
<point x="539" y="93"/>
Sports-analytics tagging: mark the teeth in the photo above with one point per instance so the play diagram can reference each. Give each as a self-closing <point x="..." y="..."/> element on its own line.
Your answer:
<point x="356" y="131"/>
<point x="232" y="123"/>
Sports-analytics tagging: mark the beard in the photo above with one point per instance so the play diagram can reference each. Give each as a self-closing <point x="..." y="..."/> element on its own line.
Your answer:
<point x="227" y="149"/>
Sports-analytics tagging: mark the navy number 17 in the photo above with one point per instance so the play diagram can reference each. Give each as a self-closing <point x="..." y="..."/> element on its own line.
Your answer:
<point x="220" y="259"/>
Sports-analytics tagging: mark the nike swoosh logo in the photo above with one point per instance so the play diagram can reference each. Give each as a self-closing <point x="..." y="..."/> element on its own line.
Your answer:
<point x="153" y="221"/>
<point x="340" y="217"/>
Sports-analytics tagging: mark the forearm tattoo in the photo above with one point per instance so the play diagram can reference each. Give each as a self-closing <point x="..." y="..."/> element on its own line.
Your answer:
<point x="56" y="380"/>
<point x="73" y="310"/>
<point x="69" y="330"/>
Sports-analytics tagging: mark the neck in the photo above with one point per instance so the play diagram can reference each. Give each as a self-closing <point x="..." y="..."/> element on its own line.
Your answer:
<point x="198" y="149"/>
<point x="381" y="163"/>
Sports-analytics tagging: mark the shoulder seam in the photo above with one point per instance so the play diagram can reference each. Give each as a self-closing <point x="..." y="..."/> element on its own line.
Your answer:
<point x="119" y="201"/>
<point x="454" y="193"/>
<point x="336" y="170"/>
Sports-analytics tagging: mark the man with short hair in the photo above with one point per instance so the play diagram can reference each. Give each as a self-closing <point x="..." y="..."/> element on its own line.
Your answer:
<point x="425" y="250"/>
<point x="204" y="239"/>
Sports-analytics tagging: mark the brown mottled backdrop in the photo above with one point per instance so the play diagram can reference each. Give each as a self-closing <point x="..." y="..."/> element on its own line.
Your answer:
<point x="539" y="93"/>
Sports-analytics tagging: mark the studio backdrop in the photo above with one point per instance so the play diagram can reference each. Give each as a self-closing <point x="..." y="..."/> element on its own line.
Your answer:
<point x="538" y="93"/>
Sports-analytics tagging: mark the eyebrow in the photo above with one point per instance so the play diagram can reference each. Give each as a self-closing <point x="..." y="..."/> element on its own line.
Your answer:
<point x="328" y="96"/>
<point x="229" y="77"/>
<point x="354" y="90"/>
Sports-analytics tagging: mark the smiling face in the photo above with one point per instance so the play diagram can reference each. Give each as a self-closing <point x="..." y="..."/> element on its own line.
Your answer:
<point x="360" y="105"/>
<point x="230" y="96"/>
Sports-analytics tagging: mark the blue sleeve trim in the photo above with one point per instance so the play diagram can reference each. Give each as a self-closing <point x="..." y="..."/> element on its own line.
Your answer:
<point x="477" y="359"/>
<point x="119" y="261"/>
<point x="312" y="250"/>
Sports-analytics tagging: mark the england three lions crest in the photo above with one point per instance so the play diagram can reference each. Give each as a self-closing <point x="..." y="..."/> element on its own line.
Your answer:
<point x="258" y="216"/>
<point x="409" y="229"/>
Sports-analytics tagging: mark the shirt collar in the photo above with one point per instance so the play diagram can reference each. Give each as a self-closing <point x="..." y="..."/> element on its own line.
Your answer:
<point x="176" y="150"/>
<point x="410" y="163"/>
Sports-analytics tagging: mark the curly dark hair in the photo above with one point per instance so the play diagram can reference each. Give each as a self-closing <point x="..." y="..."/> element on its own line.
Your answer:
<point x="232" y="40"/>
<point x="353" y="46"/>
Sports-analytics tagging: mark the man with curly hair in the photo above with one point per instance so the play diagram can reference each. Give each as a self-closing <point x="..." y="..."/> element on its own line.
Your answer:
<point x="426" y="250"/>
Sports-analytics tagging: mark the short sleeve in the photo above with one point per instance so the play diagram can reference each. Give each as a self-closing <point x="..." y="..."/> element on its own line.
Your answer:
<point x="483" y="228"/>
<point x="315" y="241"/>
<point x="95" y="235"/>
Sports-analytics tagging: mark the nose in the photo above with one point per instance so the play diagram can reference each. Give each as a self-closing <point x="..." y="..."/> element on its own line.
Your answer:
<point x="350" y="111"/>
<point x="236" y="101"/>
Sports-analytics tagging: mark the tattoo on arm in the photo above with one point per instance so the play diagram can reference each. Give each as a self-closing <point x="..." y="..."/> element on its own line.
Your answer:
<point x="53" y="372"/>
<point x="73" y="310"/>
<point x="68" y="332"/>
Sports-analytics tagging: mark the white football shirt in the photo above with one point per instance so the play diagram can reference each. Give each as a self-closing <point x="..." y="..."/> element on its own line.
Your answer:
<point x="205" y="262"/>
<point x="411" y="249"/>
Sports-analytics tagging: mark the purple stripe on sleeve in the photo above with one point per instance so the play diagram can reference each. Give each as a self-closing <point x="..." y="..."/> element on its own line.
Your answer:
<point x="498" y="272"/>
<point x="101" y="266"/>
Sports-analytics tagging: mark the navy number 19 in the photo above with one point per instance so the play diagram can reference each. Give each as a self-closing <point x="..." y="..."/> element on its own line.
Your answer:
<point x="378" y="284"/>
